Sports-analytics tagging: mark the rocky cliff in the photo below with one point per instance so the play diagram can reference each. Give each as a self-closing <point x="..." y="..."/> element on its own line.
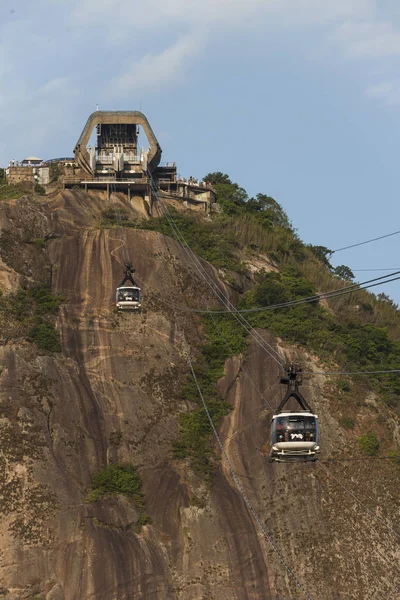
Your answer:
<point x="113" y="395"/>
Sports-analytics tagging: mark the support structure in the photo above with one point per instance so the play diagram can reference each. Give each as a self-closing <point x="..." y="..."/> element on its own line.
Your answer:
<point x="293" y="380"/>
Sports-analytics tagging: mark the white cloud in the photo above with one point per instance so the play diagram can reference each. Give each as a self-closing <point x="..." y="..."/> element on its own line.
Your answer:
<point x="387" y="91"/>
<point x="161" y="13"/>
<point x="370" y="39"/>
<point x="156" y="70"/>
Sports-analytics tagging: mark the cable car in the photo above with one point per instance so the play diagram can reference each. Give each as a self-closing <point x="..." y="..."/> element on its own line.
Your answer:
<point x="294" y="434"/>
<point x="128" y="296"/>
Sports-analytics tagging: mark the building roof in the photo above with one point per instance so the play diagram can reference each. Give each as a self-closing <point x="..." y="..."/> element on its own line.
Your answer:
<point x="32" y="159"/>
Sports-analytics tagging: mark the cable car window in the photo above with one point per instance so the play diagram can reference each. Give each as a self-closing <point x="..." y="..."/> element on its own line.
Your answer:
<point x="296" y="423"/>
<point x="128" y="295"/>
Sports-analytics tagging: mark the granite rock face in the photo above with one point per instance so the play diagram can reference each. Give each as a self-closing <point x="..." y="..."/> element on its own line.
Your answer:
<point x="113" y="395"/>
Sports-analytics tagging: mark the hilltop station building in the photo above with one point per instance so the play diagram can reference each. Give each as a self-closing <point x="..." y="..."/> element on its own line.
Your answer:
<point x="108" y="156"/>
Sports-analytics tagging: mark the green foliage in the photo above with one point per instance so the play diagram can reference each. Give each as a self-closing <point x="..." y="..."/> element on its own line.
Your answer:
<point x="224" y="338"/>
<point x="354" y="345"/>
<point x="39" y="189"/>
<point x="45" y="337"/>
<point x="2" y="175"/>
<point x="369" y="444"/>
<point x="117" y="479"/>
<point x="13" y="191"/>
<point x="343" y="385"/>
<point x="344" y="272"/>
<point x="347" y="422"/>
<point x="120" y="479"/>
<point x="394" y="456"/>
<point x="55" y="171"/>
<point x="268" y="211"/>
<point x="144" y="519"/>
<point x="40" y="243"/>
<point x="32" y="310"/>
<point x="322" y="253"/>
<point x="208" y="239"/>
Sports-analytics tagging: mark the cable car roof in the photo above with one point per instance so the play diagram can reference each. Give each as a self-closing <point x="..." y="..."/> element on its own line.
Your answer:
<point x="128" y="287"/>
<point x="295" y="414"/>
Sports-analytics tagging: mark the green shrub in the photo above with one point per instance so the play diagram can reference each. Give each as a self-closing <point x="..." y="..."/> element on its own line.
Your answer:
<point x="55" y="171"/>
<point x="120" y="479"/>
<point x="394" y="456"/>
<point x="223" y="338"/>
<point x="45" y="337"/>
<point x="33" y="309"/>
<point x="343" y="385"/>
<point x="39" y="189"/>
<point x="40" y="243"/>
<point x="117" y="479"/>
<point x="144" y="519"/>
<point x="14" y="191"/>
<point x="347" y="422"/>
<point x="369" y="444"/>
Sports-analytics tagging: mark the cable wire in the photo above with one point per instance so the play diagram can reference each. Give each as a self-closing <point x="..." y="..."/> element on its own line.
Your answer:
<point x="220" y="295"/>
<point x="350" y="493"/>
<point x="232" y="354"/>
<point x="351" y="372"/>
<point x="323" y="296"/>
<point x="235" y="478"/>
<point x="369" y="270"/>
<point x="381" y="237"/>
<point x="241" y="490"/>
<point x="237" y="482"/>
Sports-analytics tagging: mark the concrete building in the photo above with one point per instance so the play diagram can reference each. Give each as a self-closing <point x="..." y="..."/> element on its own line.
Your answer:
<point x="116" y="161"/>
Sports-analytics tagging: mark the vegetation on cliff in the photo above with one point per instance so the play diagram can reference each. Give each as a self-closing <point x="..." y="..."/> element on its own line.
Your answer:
<point x="30" y="313"/>
<point x="120" y="479"/>
<point x="356" y="332"/>
<point x="223" y="339"/>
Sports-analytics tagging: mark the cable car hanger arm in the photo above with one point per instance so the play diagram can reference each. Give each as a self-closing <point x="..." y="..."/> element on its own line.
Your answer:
<point x="129" y="270"/>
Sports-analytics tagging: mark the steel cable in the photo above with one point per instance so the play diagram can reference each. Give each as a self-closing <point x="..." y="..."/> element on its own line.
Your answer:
<point x="220" y="295"/>
<point x="238" y="484"/>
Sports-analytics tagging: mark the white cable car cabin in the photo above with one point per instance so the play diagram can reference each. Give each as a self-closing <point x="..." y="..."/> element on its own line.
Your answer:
<point x="294" y="434"/>
<point x="128" y="296"/>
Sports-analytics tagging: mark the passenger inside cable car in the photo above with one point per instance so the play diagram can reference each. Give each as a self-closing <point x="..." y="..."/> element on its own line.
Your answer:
<point x="128" y="298"/>
<point x="128" y="295"/>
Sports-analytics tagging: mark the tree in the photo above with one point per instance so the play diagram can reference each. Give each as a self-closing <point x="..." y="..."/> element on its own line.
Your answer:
<point x="218" y="178"/>
<point x="344" y="272"/>
<point x="321" y="252"/>
<point x="230" y="195"/>
<point x="55" y="171"/>
<point x="269" y="210"/>
<point x="2" y="174"/>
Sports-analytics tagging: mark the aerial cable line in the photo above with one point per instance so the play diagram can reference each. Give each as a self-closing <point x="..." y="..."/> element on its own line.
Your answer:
<point x="220" y="295"/>
<point x="394" y="457"/>
<point x="350" y="493"/>
<point x="334" y="293"/>
<point x="322" y="296"/>
<point x="241" y="490"/>
<point x="235" y="478"/>
<point x="370" y="270"/>
<point x="227" y="458"/>
<point x="241" y="370"/>
<point x="125" y="252"/>
<point x="351" y="372"/>
<point x="381" y="237"/>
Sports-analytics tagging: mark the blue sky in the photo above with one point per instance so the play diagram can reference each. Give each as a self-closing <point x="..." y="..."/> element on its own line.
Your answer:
<point x="299" y="99"/>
